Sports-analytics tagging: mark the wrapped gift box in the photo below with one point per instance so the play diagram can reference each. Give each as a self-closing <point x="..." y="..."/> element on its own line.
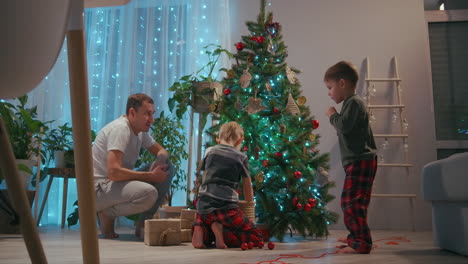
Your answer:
<point x="162" y="232"/>
<point x="186" y="235"/>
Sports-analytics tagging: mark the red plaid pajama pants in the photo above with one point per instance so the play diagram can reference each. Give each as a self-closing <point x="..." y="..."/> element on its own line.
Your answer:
<point x="355" y="200"/>
<point x="237" y="228"/>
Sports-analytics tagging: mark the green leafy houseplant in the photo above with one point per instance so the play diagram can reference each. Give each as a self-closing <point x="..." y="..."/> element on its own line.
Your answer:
<point x="167" y="132"/>
<point x="58" y="139"/>
<point x="25" y="130"/>
<point x="199" y="90"/>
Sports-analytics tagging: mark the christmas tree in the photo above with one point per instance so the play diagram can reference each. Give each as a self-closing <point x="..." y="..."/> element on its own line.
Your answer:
<point x="263" y="95"/>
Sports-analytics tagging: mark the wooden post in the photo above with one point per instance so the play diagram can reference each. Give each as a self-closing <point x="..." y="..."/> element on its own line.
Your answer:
<point x="79" y="98"/>
<point x="19" y="200"/>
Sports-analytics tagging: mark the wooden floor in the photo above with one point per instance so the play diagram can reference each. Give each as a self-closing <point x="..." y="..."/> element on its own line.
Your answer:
<point x="63" y="246"/>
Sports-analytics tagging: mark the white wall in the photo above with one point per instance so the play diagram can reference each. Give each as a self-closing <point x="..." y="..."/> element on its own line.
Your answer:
<point x="320" y="33"/>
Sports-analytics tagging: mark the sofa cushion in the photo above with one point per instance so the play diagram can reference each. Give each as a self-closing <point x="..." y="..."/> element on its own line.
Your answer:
<point x="446" y="179"/>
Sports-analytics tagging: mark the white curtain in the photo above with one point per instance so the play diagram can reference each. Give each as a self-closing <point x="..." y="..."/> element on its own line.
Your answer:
<point x="142" y="47"/>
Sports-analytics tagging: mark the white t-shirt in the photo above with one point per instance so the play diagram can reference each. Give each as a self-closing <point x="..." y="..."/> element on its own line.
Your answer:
<point x="118" y="135"/>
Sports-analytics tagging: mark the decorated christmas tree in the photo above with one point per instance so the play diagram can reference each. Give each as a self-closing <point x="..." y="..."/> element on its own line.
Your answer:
<point x="262" y="93"/>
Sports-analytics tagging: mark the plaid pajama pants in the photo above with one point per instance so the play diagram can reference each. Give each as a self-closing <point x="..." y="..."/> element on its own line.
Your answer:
<point x="355" y="200"/>
<point x="237" y="228"/>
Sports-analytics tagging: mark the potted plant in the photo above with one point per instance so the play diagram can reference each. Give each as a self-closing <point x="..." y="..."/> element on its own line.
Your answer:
<point x="199" y="90"/>
<point x="25" y="132"/>
<point x="57" y="142"/>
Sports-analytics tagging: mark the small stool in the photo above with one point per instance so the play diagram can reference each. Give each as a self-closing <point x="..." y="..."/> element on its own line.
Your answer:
<point x="65" y="173"/>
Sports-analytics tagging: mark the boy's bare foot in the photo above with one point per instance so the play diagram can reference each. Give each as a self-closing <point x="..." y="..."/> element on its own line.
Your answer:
<point x="218" y="232"/>
<point x="343" y="240"/>
<point x="107" y="226"/>
<point x="197" y="238"/>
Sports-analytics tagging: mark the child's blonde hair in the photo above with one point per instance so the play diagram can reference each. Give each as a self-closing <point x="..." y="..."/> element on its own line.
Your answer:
<point x="230" y="132"/>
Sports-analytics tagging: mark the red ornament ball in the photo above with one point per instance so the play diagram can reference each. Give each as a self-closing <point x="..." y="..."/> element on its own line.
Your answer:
<point x="239" y="46"/>
<point x="261" y="244"/>
<point x="279" y="154"/>
<point x="265" y="163"/>
<point x="312" y="202"/>
<point x="253" y="38"/>
<point x="275" y="110"/>
<point x="260" y="39"/>
<point x="294" y="201"/>
<point x="271" y="245"/>
<point x="244" y="246"/>
<point x="297" y="174"/>
<point x="227" y="91"/>
<point x="250" y="245"/>
<point x="299" y="206"/>
<point x="315" y="124"/>
<point x="307" y="207"/>
<point x="246" y="148"/>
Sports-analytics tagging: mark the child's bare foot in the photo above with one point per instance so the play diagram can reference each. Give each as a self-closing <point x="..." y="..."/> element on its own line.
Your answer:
<point x="197" y="238"/>
<point x="218" y="232"/>
<point x="107" y="226"/>
<point x="343" y="240"/>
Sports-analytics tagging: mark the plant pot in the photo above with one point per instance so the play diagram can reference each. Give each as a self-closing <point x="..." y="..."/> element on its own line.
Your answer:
<point x="59" y="157"/>
<point x="204" y="94"/>
<point x="26" y="177"/>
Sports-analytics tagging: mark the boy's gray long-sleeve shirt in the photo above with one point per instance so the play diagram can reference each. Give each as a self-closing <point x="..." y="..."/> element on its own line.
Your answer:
<point x="354" y="132"/>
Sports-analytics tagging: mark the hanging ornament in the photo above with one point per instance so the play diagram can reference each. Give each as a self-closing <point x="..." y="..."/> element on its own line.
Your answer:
<point x="294" y="201"/>
<point x="322" y="177"/>
<point x="405" y="124"/>
<point x="307" y="207"/>
<point x="245" y="148"/>
<point x="253" y="38"/>
<point x="265" y="163"/>
<point x="299" y="206"/>
<point x="268" y="86"/>
<point x="297" y="174"/>
<point x="275" y="110"/>
<point x="372" y="118"/>
<point x="238" y="105"/>
<point x="292" y="106"/>
<point x="394" y="116"/>
<point x="301" y="100"/>
<point x="282" y="128"/>
<point x="227" y="91"/>
<point x="271" y="47"/>
<point x="312" y="202"/>
<point x="257" y="152"/>
<point x="250" y="58"/>
<point x="239" y="46"/>
<point x="244" y="80"/>
<point x="254" y="106"/>
<point x="211" y="108"/>
<point x="260" y="39"/>
<point x="385" y="144"/>
<point x="230" y="74"/>
<point x="291" y="75"/>
<point x="279" y="154"/>
<point x="315" y="124"/>
<point x="312" y="137"/>
<point x="259" y="177"/>
<point x="272" y="28"/>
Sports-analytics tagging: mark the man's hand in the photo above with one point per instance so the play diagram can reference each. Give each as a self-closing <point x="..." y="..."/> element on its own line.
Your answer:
<point x="158" y="173"/>
<point x="331" y="111"/>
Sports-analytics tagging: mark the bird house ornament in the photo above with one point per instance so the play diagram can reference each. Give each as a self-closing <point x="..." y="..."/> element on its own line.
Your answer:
<point x="254" y="106"/>
<point x="292" y="106"/>
<point x="244" y="80"/>
<point x="291" y="75"/>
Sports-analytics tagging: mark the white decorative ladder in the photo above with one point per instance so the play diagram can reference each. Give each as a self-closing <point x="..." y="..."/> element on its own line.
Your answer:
<point x="396" y="81"/>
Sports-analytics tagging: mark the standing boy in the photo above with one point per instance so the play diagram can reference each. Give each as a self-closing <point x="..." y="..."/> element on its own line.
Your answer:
<point x="218" y="215"/>
<point x="358" y="153"/>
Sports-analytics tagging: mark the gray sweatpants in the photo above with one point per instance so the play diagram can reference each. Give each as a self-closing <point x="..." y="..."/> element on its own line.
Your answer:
<point x="122" y="198"/>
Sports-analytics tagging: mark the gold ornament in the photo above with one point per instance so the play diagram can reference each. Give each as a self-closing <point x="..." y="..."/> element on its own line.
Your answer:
<point x="259" y="177"/>
<point x="244" y="80"/>
<point x="292" y="106"/>
<point x="212" y="108"/>
<point x="312" y="137"/>
<point x="231" y="74"/>
<point x="291" y="75"/>
<point x="268" y="86"/>
<point x="301" y="100"/>
<point x="254" y="106"/>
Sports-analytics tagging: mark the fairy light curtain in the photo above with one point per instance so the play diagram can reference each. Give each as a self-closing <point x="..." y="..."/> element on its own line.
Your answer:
<point x="142" y="47"/>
